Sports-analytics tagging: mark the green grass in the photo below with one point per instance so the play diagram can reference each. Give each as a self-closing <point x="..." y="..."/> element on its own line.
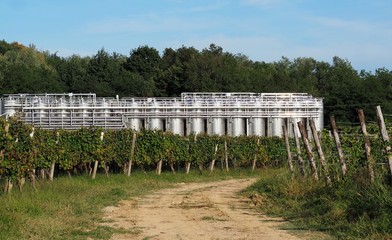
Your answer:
<point x="70" y="208"/>
<point x="351" y="209"/>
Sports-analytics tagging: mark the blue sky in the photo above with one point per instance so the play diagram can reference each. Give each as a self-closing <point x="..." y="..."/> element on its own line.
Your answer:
<point x="264" y="30"/>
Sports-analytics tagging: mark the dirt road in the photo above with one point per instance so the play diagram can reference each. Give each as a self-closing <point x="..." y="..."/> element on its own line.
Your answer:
<point x="194" y="211"/>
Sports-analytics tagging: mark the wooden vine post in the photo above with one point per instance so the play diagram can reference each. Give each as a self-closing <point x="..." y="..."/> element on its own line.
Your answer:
<point x="298" y="150"/>
<point x="338" y="145"/>
<point x="42" y="174"/>
<point x="369" y="157"/>
<point x="385" y="136"/>
<point x="8" y="181"/>
<point x="132" y="153"/>
<point x="255" y="157"/>
<point x="159" y="167"/>
<point x="289" y="158"/>
<point x="226" y="157"/>
<point x="188" y="163"/>
<point x="320" y="152"/>
<point x="308" y="150"/>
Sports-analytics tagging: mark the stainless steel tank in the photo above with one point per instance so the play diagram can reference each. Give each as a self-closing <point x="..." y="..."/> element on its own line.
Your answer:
<point x="40" y="112"/>
<point x="257" y="126"/>
<point x="215" y="113"/>
<point x="64" y="112"/>
<point x="10" y="106"/>
<point x="217" y="121"/>
<point x="319" y="121"/>
<point x="277" y="121"/>
<point x="177" y="124"/>
<point x="43" y="112"/>
<point x="104" y="111"/>
<point x="237" y="126"/>
<point x="155" y="122"/>
<point x="238" y="122"/>
<point x="276" y="126"/>
<point x="85" y="112"/>
<point x="197" y="121"/>
<point x="257" y="122"/>
<point x="59" y="106"/>
<point x="135" y="122"/>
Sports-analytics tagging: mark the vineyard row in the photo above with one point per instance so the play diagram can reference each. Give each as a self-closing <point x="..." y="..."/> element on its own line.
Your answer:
<point x="26" y="152"/>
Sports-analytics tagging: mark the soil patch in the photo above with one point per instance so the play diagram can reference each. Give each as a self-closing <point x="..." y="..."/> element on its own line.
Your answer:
<point x="211" y="210"/>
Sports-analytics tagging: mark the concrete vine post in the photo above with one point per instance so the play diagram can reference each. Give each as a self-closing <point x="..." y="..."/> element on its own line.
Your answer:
<point x="51" y="173"/>
<point x="370" y="161"/>
<point x="214" y="159"/>
<point x="32" y="171"/>
<point x="96" y="161"/>
<point x="385" y="136"/>
<point x="42" y="171"/>
<point x="187" y="167"/>
<point x="338" y="145"/>
<point x="308" y="150"/>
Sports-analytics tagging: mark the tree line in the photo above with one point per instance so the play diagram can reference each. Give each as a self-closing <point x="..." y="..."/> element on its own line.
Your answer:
<point x="146" y="72"/>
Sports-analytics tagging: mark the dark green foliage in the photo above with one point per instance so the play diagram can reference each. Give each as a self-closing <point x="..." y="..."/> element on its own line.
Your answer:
<point x="22" y="153"/>
<point x="46" y="148"/>
<point x="17" y="157"/>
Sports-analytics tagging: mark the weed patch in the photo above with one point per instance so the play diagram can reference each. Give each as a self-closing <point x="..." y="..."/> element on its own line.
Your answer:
<point x="348" y="210"/>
